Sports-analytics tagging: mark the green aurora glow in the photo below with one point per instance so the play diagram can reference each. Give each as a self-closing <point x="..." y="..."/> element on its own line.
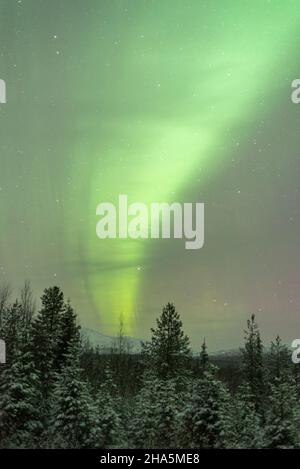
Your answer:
<point x="163" y="101"/>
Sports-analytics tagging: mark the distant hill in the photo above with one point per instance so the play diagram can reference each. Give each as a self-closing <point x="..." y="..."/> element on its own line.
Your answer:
<point x="226" y="353"/>
<point x="105" y="342"/>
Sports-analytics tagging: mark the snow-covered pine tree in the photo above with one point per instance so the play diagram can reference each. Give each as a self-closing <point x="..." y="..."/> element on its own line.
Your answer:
<point x="279" y="360"/>
<point x="155" y="416"/>
<point x="46" y="331"/>
<point x="20" y="422"/>
<point x="167" y="414"/>
<point x="69" y="332"/>
<point x="108" y="412"/>
<point x="203" y="358"/>
<point x="281" y="416"/>
<point x="144" y="409"/>
<point x="248" y="427"/>
<point x="168" y="353"/>
<point x="73" y="421"/>
<point x="253" y="368"/>
<point x="12" y="330"/>
<point x="206" y="421"/>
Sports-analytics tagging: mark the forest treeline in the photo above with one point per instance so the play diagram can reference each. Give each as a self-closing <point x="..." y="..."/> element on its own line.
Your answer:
<point x="57" y="391"/>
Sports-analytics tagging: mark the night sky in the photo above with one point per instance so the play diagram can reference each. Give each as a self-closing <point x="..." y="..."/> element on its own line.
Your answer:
<point x="170" y="100"/>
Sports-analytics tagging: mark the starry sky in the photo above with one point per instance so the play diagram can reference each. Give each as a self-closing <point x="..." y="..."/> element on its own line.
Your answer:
<point x="171" y="100"/>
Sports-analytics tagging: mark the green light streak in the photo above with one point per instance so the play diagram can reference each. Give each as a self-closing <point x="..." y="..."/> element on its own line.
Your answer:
<point x="161" y="109"/>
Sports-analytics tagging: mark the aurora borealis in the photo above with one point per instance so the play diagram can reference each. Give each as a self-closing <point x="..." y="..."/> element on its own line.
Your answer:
<point x="176" y="100"/>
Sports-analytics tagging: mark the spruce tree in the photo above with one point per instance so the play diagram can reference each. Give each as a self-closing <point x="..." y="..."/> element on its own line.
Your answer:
<point x="73" y="422"/>
<point x="168" y="352"/>
<point x="69" y="332"/>
<point x="155" y="418"/>
<point x="12" y="330"/>
<point x="46" y="334"/>
<point x="281" y="416"/>
<point x="253" y="369"/>
<point x="206" y="420"/>
<point x="279" y="362"/>
<point x="20" y="422"/>
<point x="108" y="412"/>
<point x="248" y="427"/>
<point x="204" y="358"/>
